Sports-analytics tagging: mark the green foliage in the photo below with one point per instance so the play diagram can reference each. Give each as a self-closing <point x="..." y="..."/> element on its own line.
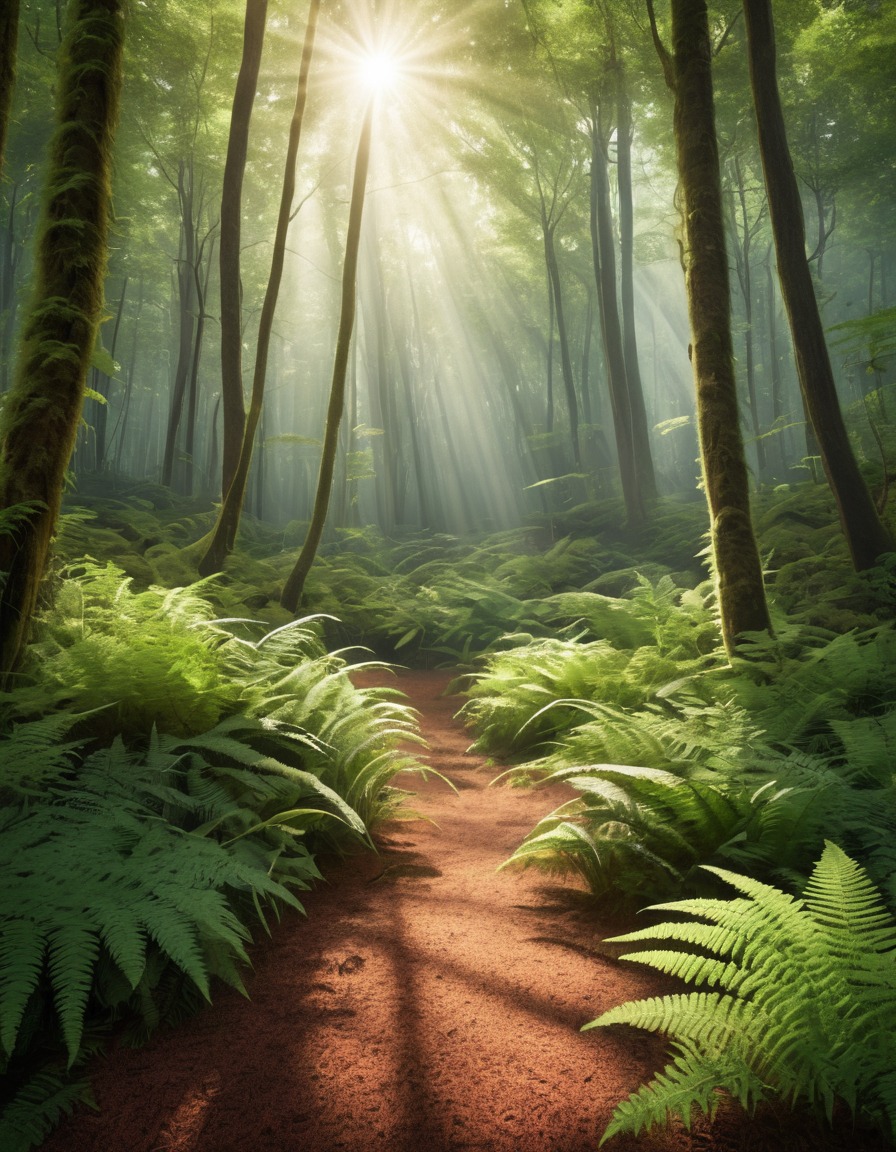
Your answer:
<point x="141" y="657"/>
<point x="539" y="689"/>
<point x="802" y="1002"/>
<point x="166" y="776"/>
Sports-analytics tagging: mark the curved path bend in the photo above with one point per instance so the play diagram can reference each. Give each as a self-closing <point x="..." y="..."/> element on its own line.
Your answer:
<point x="427" y="1004"/>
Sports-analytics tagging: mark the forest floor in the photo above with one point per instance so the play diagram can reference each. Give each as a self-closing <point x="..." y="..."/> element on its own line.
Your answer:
<point x="427" y="1004"/>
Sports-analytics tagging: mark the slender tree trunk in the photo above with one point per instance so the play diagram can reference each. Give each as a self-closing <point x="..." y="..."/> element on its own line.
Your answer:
<point x="743" y="240"/>
<point x="605" y="277"/>
<point x="774" y="364"/>
<point x="569" y="385"/>
<point x="8" y="296"/>
<point x="186" y="295"/>
<point x="200" y="284"/>
<point x="101" y="385"/>
<point x="9" y="38"/>
<point x="549" y="409"/>
<point x="640" y="430"/>
<point x="585" y="372"/>
<point x="224" y="534"/>
<point x="742" y="604"/>
<point x="229" y="252"/>
<point x="120" y="430"/>
<point x="295" y="583"/>
<point x="866" y="535"/>
<point x="41" y="413"/>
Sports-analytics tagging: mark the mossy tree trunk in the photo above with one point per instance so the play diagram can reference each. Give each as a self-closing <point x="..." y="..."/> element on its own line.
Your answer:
<point x="295" y="583"/>
<point x="224" y="534"/>
<point x="741" y="593"/>
<point x="233" y="405"/>
<point x="865" y="533"/>
<point x="9" y="38"/>
<point x="41" y="414"/>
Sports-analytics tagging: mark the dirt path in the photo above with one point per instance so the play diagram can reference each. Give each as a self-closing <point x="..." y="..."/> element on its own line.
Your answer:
<point x="427" y="1004"/>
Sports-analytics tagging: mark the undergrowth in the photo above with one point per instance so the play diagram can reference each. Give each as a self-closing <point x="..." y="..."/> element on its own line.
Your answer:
<point x="801" y="1002"/>
<point x="167" y="777"/>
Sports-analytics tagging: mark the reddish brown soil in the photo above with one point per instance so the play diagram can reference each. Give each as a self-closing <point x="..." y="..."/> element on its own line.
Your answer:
<point x="427" y="1004"/>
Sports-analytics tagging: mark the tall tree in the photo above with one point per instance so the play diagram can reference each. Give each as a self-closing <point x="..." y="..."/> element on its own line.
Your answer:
<point x="866" y="535"/>
<point x="688" y="71"/>
<point x="232" y="403"/>
<point x="41" y="414"/>
<point x="291" y="595"/>
<point x="640" y="435"/>
<point x="604" y="259"/>
<point x="224" y="534"/>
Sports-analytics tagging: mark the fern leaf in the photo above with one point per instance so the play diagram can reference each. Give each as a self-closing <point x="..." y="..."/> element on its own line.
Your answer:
<point x="22" y="945"/>
<point x="72" y="953"/>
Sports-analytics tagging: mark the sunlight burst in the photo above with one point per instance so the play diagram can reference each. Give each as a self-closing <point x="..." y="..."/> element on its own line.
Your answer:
<point x="380" y="71"/>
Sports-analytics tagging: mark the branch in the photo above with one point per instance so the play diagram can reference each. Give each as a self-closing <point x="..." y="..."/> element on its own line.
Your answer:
<point x="721" y="44"/>
<point x="661" y="50"/>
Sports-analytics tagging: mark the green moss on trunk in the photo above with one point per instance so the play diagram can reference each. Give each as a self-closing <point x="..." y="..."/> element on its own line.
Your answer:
<point x="40" y="418"/>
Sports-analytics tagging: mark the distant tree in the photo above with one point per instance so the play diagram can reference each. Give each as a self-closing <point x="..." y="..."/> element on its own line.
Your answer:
<point x="865" y="533"/>
<point x="224" y="534"/>
<point x="688" y="71"/>
<point x="41" y="413"/>
<point x="291" y="596"/>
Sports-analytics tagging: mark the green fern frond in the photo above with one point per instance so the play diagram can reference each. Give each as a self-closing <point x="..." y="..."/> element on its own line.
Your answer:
<point x="806" y="1000"/>
<point x="37" y="1108"/>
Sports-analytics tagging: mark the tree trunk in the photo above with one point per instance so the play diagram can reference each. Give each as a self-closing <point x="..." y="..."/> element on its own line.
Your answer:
<point x="742" y="604"/>
<point x="42" y="411"/>
<point x="8" y="295"/>
<point x="640" y="430"/>
<point x="9" y="38"/>
<point x="101" y="385"/>
<point x="295" y="583"/>
<point x="605" y="276"/>
<point x="122" y="426"/>
<point x="229" y="254"/>
<point x="200" y="286"/>
<point x="866" y="535"/>
<point x="775" y="366"/>
<point x="186" y="296"/>
<point x="224" y="535"/>
<point x="569" y="386"/>
<point x="549" y="409"/>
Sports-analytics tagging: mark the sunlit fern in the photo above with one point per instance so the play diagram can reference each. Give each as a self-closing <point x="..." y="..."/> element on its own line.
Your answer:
<point x="802" y="1006"/>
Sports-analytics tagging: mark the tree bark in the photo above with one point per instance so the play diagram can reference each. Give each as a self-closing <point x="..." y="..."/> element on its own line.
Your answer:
<point x="640" y="430"/>
<point x="569" y="387"/>
<point x="229" y="253"/>
<point x="295" y="583"/>
<point x="9" y="262"/>
<point x="224" y="535"/>
<point x="614" y="357"/>
<point x="741" y="593"/>
<point x="866" y="535"/>
<point x="186" y="297"/>
<point x="42" y="411"/>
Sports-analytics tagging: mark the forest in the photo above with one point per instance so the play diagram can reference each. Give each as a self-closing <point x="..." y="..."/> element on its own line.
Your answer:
<point x="447" y="575"/>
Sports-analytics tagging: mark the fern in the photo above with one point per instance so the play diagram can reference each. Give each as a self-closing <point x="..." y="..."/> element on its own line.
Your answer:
<point x="806" y="1007"/>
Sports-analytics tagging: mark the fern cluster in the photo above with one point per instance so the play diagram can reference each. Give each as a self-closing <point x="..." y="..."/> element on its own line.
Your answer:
<point x="801" y="1000"/>
<point x="170" y="795"/>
